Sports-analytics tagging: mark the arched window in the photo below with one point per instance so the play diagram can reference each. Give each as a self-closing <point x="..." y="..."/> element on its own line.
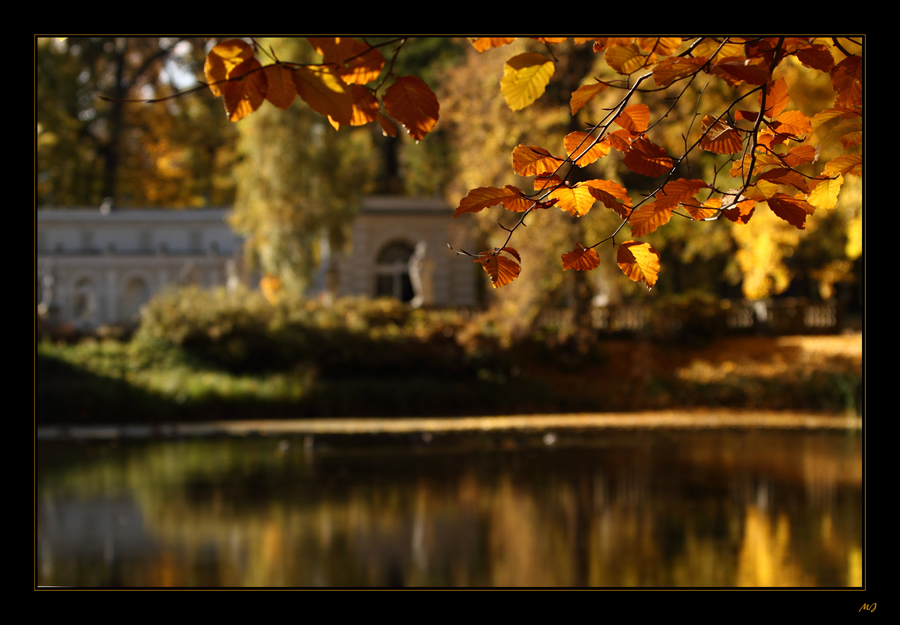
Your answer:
<point x="136" y="295"/>
<point x="83" y="303"/>
<point x="392" y="271"/>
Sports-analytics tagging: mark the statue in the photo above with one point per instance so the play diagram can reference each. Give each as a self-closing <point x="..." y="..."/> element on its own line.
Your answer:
<point x="421" y="269"/>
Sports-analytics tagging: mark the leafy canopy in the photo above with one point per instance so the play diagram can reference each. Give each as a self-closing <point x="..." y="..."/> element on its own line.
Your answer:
<point x="770" y="149"/>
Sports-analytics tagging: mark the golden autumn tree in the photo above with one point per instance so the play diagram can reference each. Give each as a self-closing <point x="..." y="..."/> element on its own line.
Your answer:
<point x="709" y="130"/>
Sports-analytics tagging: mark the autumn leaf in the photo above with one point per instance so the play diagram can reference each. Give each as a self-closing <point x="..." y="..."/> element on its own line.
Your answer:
<point x="247" y="93"/>
<point x="525" y="77"/>
<point x="581" y="259"/>
<point x="585" y="94"/>
<point x="660" y="45"/>
<point x="325" y="92"/>
<point x="486" y="43"/>
<point x="639" y="261"/>
<point x="741" y="212"/>
<point x="354" y="61"/>
<point x="412" y="103"/>
<point x="478" y="199"/>
<point x="576" y="201"/>
<point x="628" y="59"/>
<point x="531" y="160"/>
<point x="610" y="193"/>
<point x="846" y="79"/>
<point x="673" y="68"/>
<point x="365" y="106"/>
<point x="794" y="124"/>
<point x="776" y="98"/>
<point x="736" y="70"/>
<point x="825" y="192"/>
<point x="647" y="158"/>
<point x="719" y="137"/>
<point x="792" y="209"/>
<point x="500" y="268"/>
<point x="635" y="118"/>
<point x="280" y="89"/>
<point x="223" y="58"/>
<point x="581" y="148"/>
<point x="705" y="210"/>
<point x="271" y="288"/>
<point x="388" y="129"/>
<point x="846" y="165"/>
<point x="648" y="218"/>
<point x="816" y="56"/>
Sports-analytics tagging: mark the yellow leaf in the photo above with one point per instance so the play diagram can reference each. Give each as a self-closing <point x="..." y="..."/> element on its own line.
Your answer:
<point x="412" y="103"/>
<point x="525" y="77"/>
<point x="825" y="193"/>
<point x="628" y="59"/>
<point x="354" y="61"/>
<point x="576" y="201"/>
<point x="639" y="261"/>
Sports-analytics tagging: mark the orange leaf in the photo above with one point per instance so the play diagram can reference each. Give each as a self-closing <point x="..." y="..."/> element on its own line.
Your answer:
<point x="609" y="193"/>
<point x="223" y="58"/>
<point x="576" y="201"/>
<point x="629" y="58"/>
<point x="635" y="118"/>
<point x="648" y="218"/>
<point x="581" y="259"/>
<point x="365" y="106"/>
<point x="800" y="155"/>
<point x="354" y="61"/>
<point x="530" y="160"/>
<point x="709" y="208"/>
<point x="247" y="93"/>
<point x="485" y="43"/>
<point x="647" y="159"/>
<point x="660" y="45"/>
<point x="280" y="89"/>
<point x="501" y="269"/>
<point x="793" y="210"/>
<point x="671" y="69"/>
<point x="719" y="137"/>
<point x="585" y="94"/>
<point x="846" y="165"/>
<point x="525" y="77"/>
<point x="741" y="212"/>
<point x="412" y="103"/>
<point x="581" y="148"/>
<point x="325" y="92"/>
<point x="792" y="123"/>
<point x="485" y="197"/>
<point x="776" y="98"/>
<point x="639" y="261"/>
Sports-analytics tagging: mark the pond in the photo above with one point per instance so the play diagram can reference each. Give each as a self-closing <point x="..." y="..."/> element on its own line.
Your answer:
<point x="609" y="509"/>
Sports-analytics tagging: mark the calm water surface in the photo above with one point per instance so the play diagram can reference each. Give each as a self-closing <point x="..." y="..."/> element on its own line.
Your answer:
<point x="608" y="509"/>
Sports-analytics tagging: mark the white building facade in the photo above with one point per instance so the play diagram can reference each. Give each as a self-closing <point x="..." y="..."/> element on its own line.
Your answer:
<point x="99" y="267"/>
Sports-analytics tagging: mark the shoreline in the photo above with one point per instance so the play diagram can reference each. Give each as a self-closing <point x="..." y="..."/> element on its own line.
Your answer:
<point x="674" y="419"/>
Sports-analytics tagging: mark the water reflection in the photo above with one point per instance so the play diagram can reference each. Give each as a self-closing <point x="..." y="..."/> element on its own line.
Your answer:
<point x="695" y="509"/>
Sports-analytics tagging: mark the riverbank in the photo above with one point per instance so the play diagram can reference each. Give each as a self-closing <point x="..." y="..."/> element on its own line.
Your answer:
<point x="104" y="382"/>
